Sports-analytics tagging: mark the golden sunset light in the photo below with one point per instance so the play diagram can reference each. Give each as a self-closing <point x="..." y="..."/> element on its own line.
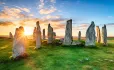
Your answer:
<point x="28" y="30"/>
<point x="56" y="34"/>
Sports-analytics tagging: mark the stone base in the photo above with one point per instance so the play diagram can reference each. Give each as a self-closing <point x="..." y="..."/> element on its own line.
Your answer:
<point x="23" y="56"/>
<point x="76" y="43"/>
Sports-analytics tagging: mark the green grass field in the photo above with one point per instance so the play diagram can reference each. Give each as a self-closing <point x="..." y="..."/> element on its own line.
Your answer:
<point x="59" y="57"/>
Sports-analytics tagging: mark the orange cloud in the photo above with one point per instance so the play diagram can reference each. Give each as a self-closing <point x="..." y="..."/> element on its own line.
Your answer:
<point x="23" y="9"/>
<point x="84" y="25"/>
<point x="13" y="13"/>
<point x="6" y="23"/>
<point x="51" y="17"/>
<point x="59" y="26"/>
<point x="47" y="11"/>
<point x="54" y="18"/>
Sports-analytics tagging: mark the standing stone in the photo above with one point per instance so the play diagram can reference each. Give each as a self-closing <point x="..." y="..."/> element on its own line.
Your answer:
<point x="38" y="35"/>
<point x="54" y="35"/>
<point x="34" y="34"/>
<point x="44" y="34"/>
<point x="104" y="35"/>
<point x="50" y="34"/>
<point x="90" y="35"/>
<point x="98" y="34"/>
<point x="79" y="36"/>
<point x="68" y="33"/>
<point x="19" y="43"/>
<point x="10" y="35"/>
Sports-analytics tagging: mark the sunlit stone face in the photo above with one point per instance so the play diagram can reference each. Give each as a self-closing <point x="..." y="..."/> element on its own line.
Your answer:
<point x="19" y="43"/>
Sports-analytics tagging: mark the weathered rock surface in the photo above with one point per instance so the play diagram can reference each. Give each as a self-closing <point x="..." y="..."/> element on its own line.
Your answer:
<point x="44" y="34"/>
<point x="98" y="34"/>
<point x="10" y="35"/>
<point x="79" y="36"/>
<point x="76" y="43"/>
<point x="68" y="33"/>
<point x="38" y="35"/>
<point x="54" y="35"/>
<point x="19" y="43"/>
<point x="90" y="35"/>
<point x="104" y="35"/>
<point x="34" y="34"/>
<point x="50" y="34"/>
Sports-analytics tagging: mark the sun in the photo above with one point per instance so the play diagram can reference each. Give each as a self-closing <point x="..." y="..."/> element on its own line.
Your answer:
<point x="28" y="31"/>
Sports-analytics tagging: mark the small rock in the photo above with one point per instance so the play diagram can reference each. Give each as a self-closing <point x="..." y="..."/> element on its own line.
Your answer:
<point x="111" y="61"/>
<point x="76" y="43"/>
<point x="105" y="59"/>
<point x="86" y="59"/>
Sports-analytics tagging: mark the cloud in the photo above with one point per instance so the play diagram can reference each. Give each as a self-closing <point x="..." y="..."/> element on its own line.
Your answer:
<point x="30" y="22"/>
<point x="54" y="18"/>
<point x="31" y="15"/>
<point x="81" y="26"/>
<point x="47" y="11"/>
<point x="41" y="5"/>
<point x="59" y="20"/>
<point x="23" y="9"/>
<point x="51" y="17"/>
<point x="59" y="26"/>
<point x="47" y="8"/>
<point x="84" y="25"/>
<point x="110" y="24"/>
<point x="13" y="13"/>
<point x="53" y="1"/>
<point x="6" y="23"/>
<point x="1" y="3"/>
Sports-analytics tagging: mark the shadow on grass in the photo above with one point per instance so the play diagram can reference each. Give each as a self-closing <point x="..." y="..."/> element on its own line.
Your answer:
<point x="80" y="46"/>
<point x="54" y="43"/>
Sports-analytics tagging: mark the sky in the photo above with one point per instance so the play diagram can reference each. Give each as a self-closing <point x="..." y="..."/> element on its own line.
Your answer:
<point x="15" y="13"/>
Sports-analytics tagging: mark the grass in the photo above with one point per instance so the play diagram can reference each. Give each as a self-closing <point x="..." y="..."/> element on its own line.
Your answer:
<point x="51" y="57"/>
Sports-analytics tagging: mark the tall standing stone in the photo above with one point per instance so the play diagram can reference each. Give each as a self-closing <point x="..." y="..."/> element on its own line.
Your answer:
<point x="38" y="35"/>
<point x="104" y="35"/>
<point x="90" y="35"/>
<point x="44" y="37"/>
<point x="34" y="34"/>
<point x="54" y="35"/>
<point x="50" y="34"/>
<point x="98" y="34"/>
<point x="10" y="35"/>
<point x="19" y="43"/>
<point x="79" y="36"/>
<point x="68" y="33"/>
